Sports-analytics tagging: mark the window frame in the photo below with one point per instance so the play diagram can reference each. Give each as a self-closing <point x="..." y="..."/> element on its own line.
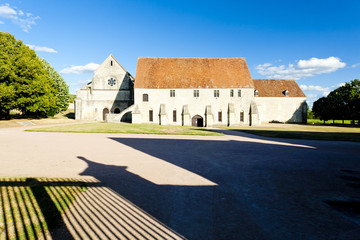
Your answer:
<point x="220" y="116"/>
<point x="172" y="93"/>
<point x="174" y="116"/>
<point x="151" y="115"/>
<point x="239" y="92"/>
<point x="231" y="92"/>
<point x="196" y="93"/>
<point x="216" y="93"/>
<point x="145" y="97"/>
<point x="242" y="114"/>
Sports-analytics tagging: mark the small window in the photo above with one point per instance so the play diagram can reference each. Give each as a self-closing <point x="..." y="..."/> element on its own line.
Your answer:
<point x="174" y="115"/>
<point x="111" y="63"/>
<point x="219" y="116"/>
<point x="242" y="116"/>
<point x="196" y="93"/>
<point x="239" y="93"/>
<point x="286" y="93"/>
<point x="145" y="97"/>
<point x="216" y="93"/>
<point x="172" y="93"/>
<point x="150" y="115"/>
<point x="117" y="110"/>
<point x="231" y="92"/>
<point x="111" y="81"/>
<point x="256" y="93"/>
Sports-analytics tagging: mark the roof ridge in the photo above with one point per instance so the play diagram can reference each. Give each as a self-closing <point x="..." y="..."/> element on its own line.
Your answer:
<point x="193" y="57"/>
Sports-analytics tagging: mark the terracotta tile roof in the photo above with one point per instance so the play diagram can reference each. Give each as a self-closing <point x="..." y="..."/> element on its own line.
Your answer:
<point x="276" y="87"/>
<point x="192" y="73"/>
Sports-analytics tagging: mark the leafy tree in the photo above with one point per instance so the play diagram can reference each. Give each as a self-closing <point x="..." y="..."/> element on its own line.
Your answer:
<point x="321" y="109"/>
<point x="62" y="96"/>
<point x="310" y="114"/>
<point x="24" y="83"/>
<point x="353" y="90"/>
<point x="342" y="103"/>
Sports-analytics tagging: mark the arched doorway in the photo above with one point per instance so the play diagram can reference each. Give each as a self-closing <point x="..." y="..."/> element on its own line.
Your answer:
<point x="197" y="121"/>
<point x="105" y="111"/>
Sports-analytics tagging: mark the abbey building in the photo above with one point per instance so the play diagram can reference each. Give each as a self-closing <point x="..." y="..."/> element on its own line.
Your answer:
<point x="188" y="91"/>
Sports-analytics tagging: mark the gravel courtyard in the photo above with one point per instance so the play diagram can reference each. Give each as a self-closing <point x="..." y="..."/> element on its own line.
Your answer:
<point x="237" y="186"/>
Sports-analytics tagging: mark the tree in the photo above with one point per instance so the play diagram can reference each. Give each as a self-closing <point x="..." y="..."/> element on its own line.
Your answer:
<point x="62" y="96"/>
<point x="24" y="83"/>
<point x="321" y="109"/>
<point x="353" y="89"/>
<point x="341" y="103"/>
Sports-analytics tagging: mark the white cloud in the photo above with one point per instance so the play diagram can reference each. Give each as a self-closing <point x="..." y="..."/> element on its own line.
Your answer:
<point x="355" y="65"/>
<point x="302" y="69"/>
<point x="41" y="49"/>
<point x="80" y="83"/>
<point x="23" y="20"/>
<point x="80" y="69"/>
<point x="314" y="88"/>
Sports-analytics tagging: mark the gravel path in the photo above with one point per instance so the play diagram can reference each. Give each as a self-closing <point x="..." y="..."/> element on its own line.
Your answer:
<point x="237" y="186"/>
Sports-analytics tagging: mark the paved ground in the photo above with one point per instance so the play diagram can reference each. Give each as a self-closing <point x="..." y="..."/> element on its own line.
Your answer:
<point x="237" y="186"/>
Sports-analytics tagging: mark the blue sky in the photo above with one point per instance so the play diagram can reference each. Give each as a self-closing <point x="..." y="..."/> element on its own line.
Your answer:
<point x="314" y="42"/>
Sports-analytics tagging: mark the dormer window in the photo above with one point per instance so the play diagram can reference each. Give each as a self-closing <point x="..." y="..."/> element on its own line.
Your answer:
<point x="286" y="93"/>
<point x="256" y="93"/>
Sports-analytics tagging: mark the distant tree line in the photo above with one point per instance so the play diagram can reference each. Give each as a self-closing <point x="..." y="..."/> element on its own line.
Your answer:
<point x="342" y="103"/>
<point x="27" y="83"/>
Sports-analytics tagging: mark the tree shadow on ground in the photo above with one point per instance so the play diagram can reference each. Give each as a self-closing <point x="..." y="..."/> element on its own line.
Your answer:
<point x="256" y="197"/>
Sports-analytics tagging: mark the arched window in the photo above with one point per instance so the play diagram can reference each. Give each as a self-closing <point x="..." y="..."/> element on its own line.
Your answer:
<point x="145" y="97"/>
<point x="256" y="93"/>
<point x="117" y="110"/>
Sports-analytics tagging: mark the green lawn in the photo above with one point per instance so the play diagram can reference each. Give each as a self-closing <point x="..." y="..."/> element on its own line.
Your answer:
<point x="128" y="128"/>
<point x="30" y="208"/>
<point x="330" y="122"/>
<point x="298" y="131"/>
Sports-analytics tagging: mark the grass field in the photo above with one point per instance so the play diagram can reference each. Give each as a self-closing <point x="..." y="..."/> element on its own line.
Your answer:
<point x="17" y="121"/>
<point x="30" y="208"/>
<point x="331" y="122"/>
<point x="298" y="131"/>
<point x="128" y="128"/>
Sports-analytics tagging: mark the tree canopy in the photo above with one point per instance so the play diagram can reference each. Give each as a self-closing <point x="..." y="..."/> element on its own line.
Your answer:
<point x="62" y="96"/>
<point x="342" y="103"/>
<point x="24" y="83"/>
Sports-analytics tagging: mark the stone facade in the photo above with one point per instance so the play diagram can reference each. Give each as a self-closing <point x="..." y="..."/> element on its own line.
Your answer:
<point x="180" y="109"/>
<point x="189" y="92"/>
<point x="110" y="91"/>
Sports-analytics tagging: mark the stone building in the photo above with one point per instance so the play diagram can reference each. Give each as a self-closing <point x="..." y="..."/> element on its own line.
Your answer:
<point x="190" y="91"/>
<point x="110" y="91"/>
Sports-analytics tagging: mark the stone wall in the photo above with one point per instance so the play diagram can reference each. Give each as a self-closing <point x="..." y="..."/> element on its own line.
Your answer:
<point x="281" y="109"/>
<point x="187" y="106"/>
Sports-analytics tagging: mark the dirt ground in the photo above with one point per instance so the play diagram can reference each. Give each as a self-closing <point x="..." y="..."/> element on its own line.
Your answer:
<point x="237" y="186"/>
